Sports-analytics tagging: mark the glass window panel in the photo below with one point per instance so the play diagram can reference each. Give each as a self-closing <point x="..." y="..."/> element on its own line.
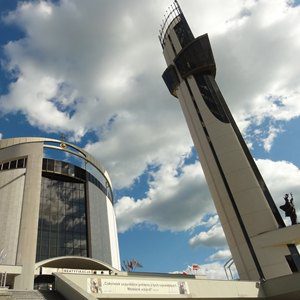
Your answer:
<point x="69" y="237"/>
<point x="44" y="167"/>
<point x="171" y="79"/>
<point x="62" y="224"/>
<point x="57" y="167"/>
<point x="69" y="251"/>
<point x="61" y="251"/>
<point x="44" y="257"/>
<point x="50" y="165"/>
<point x="71" y="170"/>
<point x="44" y="250"/>
<point x="5" y="166"/>
<point x="20" y="163"/>
<point x="77" y="251"/>
<point x="64" y="168"/>
<point x="53" y="251"/>
<point x="62" y="240"/>
<point x="83" y="243"/>
<point x="13" y="164"/>
<point x="76" y="243"/>
<point x="184" y="33"/>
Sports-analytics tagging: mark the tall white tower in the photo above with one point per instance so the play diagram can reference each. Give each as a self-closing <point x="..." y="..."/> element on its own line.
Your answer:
<point x="261" y="246"/>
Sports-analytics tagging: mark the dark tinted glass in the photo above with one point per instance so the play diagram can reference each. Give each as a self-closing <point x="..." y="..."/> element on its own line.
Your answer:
<point x="60" y="167"/>
<point x="44" y="164"/>
<point x="80" y="173"/>
<point x="65" y="168"/>
<point x="183" y="32"/>
<point x="5" y="166"/>
<point x="62" y="221"/>
<point x="20" y="163"/>
<point x="196" y="58"/>
<point x="57" y="166"/>
<point x="210" y="97"/>
<point x="171" y="79"/>
<point x="50" y="165"/>
<point x="13" y="164"/>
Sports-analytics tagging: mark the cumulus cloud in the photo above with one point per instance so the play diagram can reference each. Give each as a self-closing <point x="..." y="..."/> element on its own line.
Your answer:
<point x="220" y="255"/>
<point x="269" y="140"/>
<point x="255" y="73"/>
<point x="140" y="140"/>
<point x="281" y="177"/>
<point x="214" y="270"/>
<point x="177" y="200"/>
<point x="267" y="80"/>
<point x="214" y="237"/>
<point x="75" y="70"/>
<point x="1" y="135"/>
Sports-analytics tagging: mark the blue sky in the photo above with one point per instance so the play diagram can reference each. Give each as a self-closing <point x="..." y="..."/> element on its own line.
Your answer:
<point x="92" y="71"/>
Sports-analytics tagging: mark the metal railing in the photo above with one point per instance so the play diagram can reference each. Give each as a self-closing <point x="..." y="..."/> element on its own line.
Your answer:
<point x="227" y="268"/>
<point x="173" y="11"/>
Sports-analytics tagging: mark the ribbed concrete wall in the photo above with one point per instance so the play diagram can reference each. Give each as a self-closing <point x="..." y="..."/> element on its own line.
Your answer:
<point x="11" y="199"/>
<point x="113" y="235"/>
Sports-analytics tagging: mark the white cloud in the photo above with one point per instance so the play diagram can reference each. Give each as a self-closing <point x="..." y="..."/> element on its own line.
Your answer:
<point x="178" y="199"/>
<point x="140" y="140"/>
<point x="281" y="177"/>
<point x="214" y="270"/>
<point x="269" y="140"/>
<point x="213" y="220"/>
<point x="77" y="71"/>
<point x="256" y="73"/>
<point x="1" y="135"/>
<point x="175" y="201"/>
<point x="220" y="255"/>
<point x="214" y="237"/>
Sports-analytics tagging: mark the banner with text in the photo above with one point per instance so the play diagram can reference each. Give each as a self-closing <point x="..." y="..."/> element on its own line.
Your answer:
<point x="122" y="286"/>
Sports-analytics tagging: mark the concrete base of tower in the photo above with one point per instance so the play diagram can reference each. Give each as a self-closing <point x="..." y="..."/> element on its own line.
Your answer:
<point x="285" y="287"/>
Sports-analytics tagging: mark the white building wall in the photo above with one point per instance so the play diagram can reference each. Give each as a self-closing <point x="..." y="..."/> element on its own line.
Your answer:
<point x="11" y="199"/>
<point x="27" y="235"/>
<point x="113" y="235"/>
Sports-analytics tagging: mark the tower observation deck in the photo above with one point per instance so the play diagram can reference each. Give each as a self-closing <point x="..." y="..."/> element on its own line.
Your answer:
<point x="261" y="246"/>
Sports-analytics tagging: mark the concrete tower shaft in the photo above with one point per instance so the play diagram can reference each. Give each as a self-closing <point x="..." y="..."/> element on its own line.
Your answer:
<point x="242" y="199"/>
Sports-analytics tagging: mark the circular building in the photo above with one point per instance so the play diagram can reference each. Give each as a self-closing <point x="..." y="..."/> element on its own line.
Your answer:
<point x="55" y="200"/>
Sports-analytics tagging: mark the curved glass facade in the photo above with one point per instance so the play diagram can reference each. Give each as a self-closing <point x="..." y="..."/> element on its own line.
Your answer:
<point x="67" y="169"/>
<point x="62" y="226"/>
